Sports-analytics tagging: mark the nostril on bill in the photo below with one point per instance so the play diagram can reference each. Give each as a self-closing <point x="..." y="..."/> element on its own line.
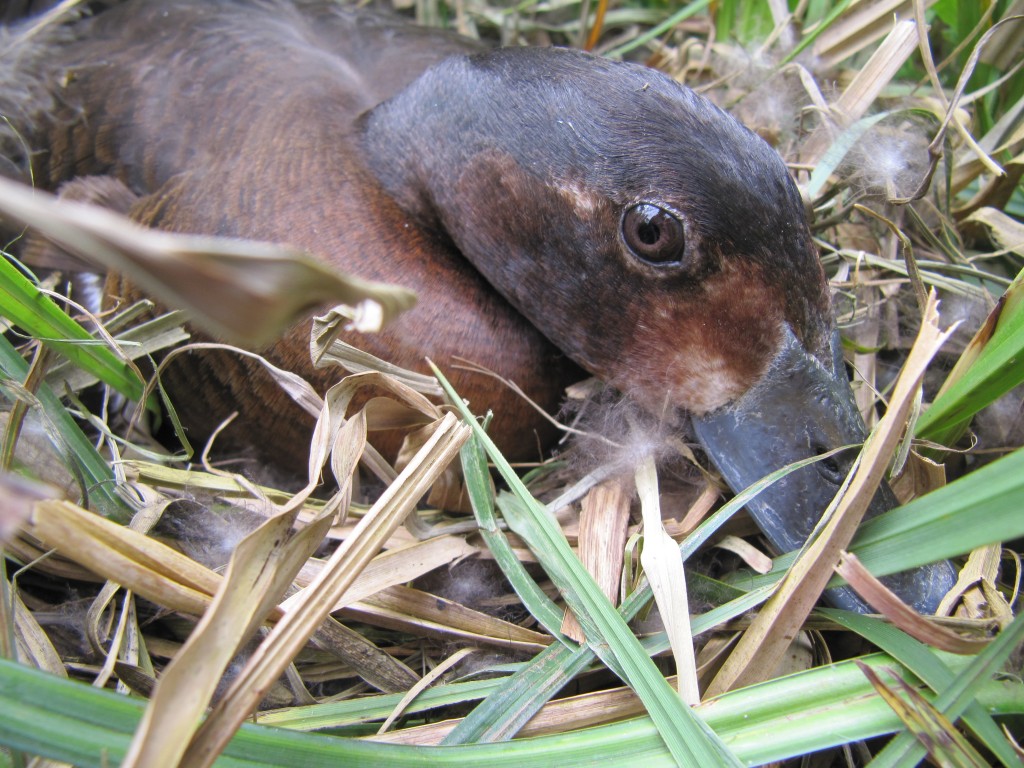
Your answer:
<point x="830" y="467"/>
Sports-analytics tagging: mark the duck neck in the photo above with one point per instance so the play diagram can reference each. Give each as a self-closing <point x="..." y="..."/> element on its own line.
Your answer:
<point x="410" y="138"/>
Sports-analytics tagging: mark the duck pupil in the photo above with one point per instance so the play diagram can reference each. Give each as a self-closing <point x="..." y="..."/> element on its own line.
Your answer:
<point x="649" y="233"/>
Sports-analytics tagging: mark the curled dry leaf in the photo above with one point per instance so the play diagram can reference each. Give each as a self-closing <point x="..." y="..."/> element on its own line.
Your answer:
<point x="752" y="556"/>
<point x="244" y="291"/>
<point x="326" y="349"/>
<point x="919" y="476"/>
<point x="899" y="613"/>
<point x="976" y="594"/>
<point x="1007" y="231"/>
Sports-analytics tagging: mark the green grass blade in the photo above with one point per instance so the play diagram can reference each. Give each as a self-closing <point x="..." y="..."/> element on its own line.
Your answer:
<point x="501" y="715"/>
<point x="95" y="473"/>
<point x="957" y="696"/>
<point x="478" y="485"/>
<point x="929" y="666"/>
<point x="335" y="714"/>
<point x="76" y="723"/>
<point x="555" y="559"/>
<point x="137" y="342"/>
<point x="687" y="737"/>
<point x="978" y="509"/>
<point x="942" y="524"/>
<point x="998" y="368"/>
<point x="22" y="303"/>
<point x="691" y="9"/>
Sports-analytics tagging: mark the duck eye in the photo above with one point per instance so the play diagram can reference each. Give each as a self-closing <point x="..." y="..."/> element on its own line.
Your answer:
<point x="653" y="234"/>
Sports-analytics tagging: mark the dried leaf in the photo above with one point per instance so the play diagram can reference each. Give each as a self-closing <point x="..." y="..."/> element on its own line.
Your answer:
<point x="879" y="597"/>
<point x="751" y="555"/>
<point x="33" y="644"/>
<point x="262" y="567"/>
<point x="241" y="290"/>
<point x="976" y="591"/>
<point x="919" y="476"/>
<point x="396" y="566"/>
<point x="663" y="566"/>
<point x="373" y="665"/>
<point x="326" y="349"/>
<point x="1007" y="231"/>
<point x="147" y="566"/>
<point x="264" y="564"/>
<point x="856" y="30"/>
<point x="604" y="520"/>
<point x="410" y="610"/>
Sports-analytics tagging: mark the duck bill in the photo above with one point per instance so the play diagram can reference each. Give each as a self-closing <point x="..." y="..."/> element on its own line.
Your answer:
<point x="799" y="409"/>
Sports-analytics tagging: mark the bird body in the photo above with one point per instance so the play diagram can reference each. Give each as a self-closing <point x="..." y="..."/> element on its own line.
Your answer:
<point x="240" y="120"/>
<point x="553" y="210"/>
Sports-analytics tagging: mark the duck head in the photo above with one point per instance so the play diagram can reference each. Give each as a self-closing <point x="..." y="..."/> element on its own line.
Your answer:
<point x="684" y="274"/>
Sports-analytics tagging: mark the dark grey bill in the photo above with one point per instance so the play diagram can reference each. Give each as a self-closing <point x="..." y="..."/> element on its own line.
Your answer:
<point x="800" y="409"/>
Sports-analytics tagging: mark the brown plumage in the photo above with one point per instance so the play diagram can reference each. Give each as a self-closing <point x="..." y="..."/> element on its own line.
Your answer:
<point x="551" y="208"/>
<point x="242" y="124"/>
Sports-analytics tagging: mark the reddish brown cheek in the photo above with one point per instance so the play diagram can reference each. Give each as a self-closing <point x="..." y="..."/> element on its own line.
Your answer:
<point x="704" y="352"/>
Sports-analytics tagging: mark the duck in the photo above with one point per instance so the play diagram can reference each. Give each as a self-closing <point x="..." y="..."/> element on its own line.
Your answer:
<point x="558" y="214"/>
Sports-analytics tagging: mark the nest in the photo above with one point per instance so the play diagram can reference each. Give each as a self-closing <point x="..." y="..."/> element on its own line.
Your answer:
<point x="453" y="598"/>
